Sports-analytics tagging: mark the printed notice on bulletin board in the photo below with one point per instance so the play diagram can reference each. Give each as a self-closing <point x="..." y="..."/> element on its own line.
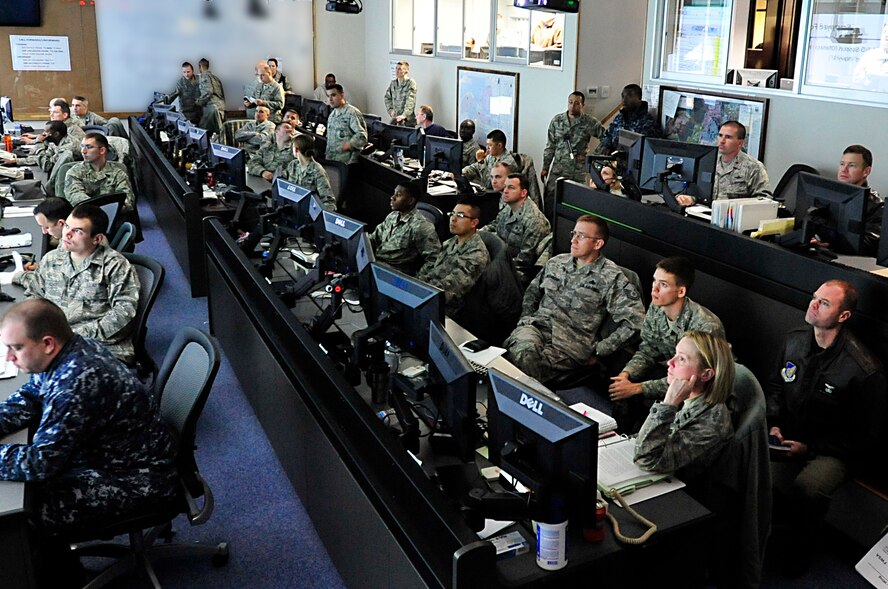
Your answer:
<point x="39" y="53"/>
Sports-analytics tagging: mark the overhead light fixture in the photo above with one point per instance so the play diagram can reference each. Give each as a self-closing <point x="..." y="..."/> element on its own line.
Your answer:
<point x="347" y="6"/>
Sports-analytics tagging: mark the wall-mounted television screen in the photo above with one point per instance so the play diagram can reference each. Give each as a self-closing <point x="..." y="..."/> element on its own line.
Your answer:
<point x="20" y="13"/>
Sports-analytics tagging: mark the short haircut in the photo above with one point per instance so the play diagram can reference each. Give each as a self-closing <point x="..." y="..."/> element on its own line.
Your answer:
<point x="270" y="59"/>
<point x="100" y="139"/>
<point x="578" y="94"/>
<point x="57" y="127"/>
<point x="337" y="87"/>
<point x="187" y="64"/>
<point x="54" y="209"/>
<point x="404" y="65"/>
<point x="427" y="111"/>
<point x="98" y="220"/>
<point x="413" y="189"/>
<point x="62" y="105"/>
<point x="632" y="90"/>
<point x="263" y="108"/>
<point x="523" y="184"/>
<point x="330" y="75"/>
<point x="291" y="109"/>
<point x="715" y="353"/>
<point x="80" y="98"/>
<point x="603" y="228"/>
<point x="740" y="128"/>
<point x="204" y="62"/>
<point x="849" y="292"/>
<point x="471" y="202"/>
<point x="305" y="143"/>
<point x="867" y="154"/>
<point x="41" y="318"/>
<point x="467" y="123"/>
<point x="281" y="124"/>
<point x="497" y="136"/>
<point x="681" y="268"/>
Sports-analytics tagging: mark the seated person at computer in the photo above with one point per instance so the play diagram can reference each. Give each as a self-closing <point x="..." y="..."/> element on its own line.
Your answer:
<point x="826" y="407"/>
<point x="58" y="111"/>
<point x="257" y="132"/>
<point x="346" y="129"/>
<point x="267" y="93"/>
<point x="82" y="116"/>
<point x="496" y="152"/>
<point x="274" y="155"/>
<point x="854" y="168"/>
<point x="95" y="175"/>
<point x="93" y="284"/>
<point x="471" y="153"/>
<point x="406" y="240"/>
<point x="463" y="257"/>
<point x="425" y="120"/>
<point x="99" y="446"/>
<point x="671" y="314"/>
<point x="320" y="92"/>
<point x="690" y="426"/>
<point x="292" y="116"/>
<point x="737" y="174"/>
<point x="566" y="304"/>
<point x="521" y="225"/>
<point x="308" y="173"/>
<point x="51" y="214"/>
<point x="634" y="116"/>
<point x="48" y="147"/>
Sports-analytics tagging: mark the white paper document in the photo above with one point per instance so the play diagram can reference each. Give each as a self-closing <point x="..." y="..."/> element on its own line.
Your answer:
<point x="17" y="240"/>
<point x="874" y="565"/>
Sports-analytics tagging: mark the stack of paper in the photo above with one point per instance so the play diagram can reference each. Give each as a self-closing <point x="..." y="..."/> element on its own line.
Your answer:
<point x="606" y="423"/>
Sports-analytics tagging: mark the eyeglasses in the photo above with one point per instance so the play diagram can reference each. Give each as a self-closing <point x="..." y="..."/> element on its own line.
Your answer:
<point x="85" y="146"/>
<point x="460" y="214"/>
<point x="581" y="236"/>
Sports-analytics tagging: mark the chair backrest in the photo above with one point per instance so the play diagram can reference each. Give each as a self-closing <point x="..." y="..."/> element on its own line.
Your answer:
<point x="57" y="177"/>
<point x="103" y="129"/>
<point x="787" y="188"/>
<point x="528" y="170"/>
<point x="125" y="238"/>
<point x="111" y="204"/>
<point x="182" y="387"/>
<point x="338" y="174"/>
<point x="436" y="217"/>
<point x="229" y="128"/>
<point x="151" y="274"/>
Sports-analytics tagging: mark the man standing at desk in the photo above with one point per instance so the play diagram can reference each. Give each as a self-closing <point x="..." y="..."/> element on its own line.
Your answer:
<point x="463" y="257"/>
<point x="256" y="133"/>
<point x="567" y="144"/>
<point x="346" y="130"/>
<point x="95" y="175"/>
<point x="406" y="240"/>
<point x="737" y="174"/>
<point x="496" y="153"/>
<point x="99" y="446"/>
<point x="211" y="99"/>
<point x="826" y="405"/>
<point x="274" y="155"/>
<point x="187" y="91"/>
<point x="400" y="97"/>
<point x="93" y="284"/>
<point x="568" y="301"/>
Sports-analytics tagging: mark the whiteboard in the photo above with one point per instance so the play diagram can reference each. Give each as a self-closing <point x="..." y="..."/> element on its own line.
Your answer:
<point x="143" y="44"/>
<point x="490" y="99"/>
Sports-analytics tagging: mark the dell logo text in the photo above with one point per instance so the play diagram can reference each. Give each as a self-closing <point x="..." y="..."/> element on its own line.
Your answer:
<point x="534" y="405"/>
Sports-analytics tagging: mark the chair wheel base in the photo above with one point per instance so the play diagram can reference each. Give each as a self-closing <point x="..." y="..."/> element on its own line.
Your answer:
<point x="220" y="559"/>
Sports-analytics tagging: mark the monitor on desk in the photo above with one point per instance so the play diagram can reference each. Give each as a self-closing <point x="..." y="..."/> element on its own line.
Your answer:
<point x="297" y="207"/>
<point x="201" y="141"/>
<point x="160" y="97"/>
<point x="410" y="138"/>
<point x="445" y="154"/>
<point x="183" y="125"/>
<point x="230" y="165"/>
<point x="6" y="109"/>
<point x="315" y="112"/>
<point x="172" y="120"/>
<point x="348" y="248"/>
<point x="676" y="168"/>
<point x="547" y="446"/>
<point x="404" y="308"/>
<point x="834" y="211"/>
<point x="453" y="387"/>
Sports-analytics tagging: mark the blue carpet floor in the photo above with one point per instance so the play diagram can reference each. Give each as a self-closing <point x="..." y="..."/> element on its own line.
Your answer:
<point x="273" y="542"/>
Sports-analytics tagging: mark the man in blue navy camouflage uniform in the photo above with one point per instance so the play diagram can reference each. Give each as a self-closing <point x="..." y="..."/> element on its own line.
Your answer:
<point x="99" y="446"/>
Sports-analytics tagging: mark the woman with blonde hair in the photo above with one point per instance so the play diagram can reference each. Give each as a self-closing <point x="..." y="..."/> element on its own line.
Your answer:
<point x="692" y="423"/>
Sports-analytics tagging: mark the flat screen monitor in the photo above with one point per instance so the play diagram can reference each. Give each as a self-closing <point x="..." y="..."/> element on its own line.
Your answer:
<point x="296" y="204"/>
<point x="20" y="13"/>
<point x="369" y="119"/>
<point x="547" y="446"/>
<point x="172" y="118"/>
<point x="443" y="153"/>
<point x="6" y="109"/>
<point x="756" y="78"/>
<point x="410" y="138"/>
<point x="230" y="165"/>
<point x="569" y="6"/>
<point x="627" y="139"/>
<point x="315" y="111"/>
<point x="689" y="168"/>
<point x="454" y="393"/>
<point x="348" y="248"/>
<point x="405" y="307"/>
<point x="160" y="97"/>
<point x="199" y="137"/>
<point x="183" y="125"/>
<point x="833" y="210"/>
<point x="293" y="101"/>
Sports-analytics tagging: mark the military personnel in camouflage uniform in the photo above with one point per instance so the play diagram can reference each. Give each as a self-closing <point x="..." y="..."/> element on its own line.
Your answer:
<point x="267" y="93"/>
<point x="279" y="76"/>
<point x="99" y="447"/>
<point x="692" y="424"/>
<point x="82" y="115"/>
<point x="462" y="259"/>
<point x="93" y="284"/>
<point x="737" y="175"/>
<point x="49" y="145"/>
<point x="496" y="153"/>
<point x="346" y="129"/>
<point x="470" y="146"/>
<point x="256" y="133"/>
<point x="95" y="176"/>
<point x="400" y="97"/>
<point x="406" y="240"/>
<point x="308" y="173"/>
<point x="273" y="157"/>
<point x="634" y="116"/>
<point x="566" y="304"/>
<point x="672" y="313"/>
<point x="211" y="99"/>
<point x="188" y="91"/>
<point x="520" y="224"/>
<point x="567" y="144"/>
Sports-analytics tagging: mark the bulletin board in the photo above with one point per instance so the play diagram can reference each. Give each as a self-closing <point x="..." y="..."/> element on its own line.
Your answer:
<point x="490" y="98"/>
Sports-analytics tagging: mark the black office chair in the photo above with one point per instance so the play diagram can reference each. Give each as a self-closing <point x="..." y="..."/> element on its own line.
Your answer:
<point x="338" y="174"/>
<point x="434" y="216"/>
<point x="124" y="239"/>
<point x="151" y="274"/>
<point x="112" y="204"/>
<point x="183" y="385"/>
<point x="103" y="129"/>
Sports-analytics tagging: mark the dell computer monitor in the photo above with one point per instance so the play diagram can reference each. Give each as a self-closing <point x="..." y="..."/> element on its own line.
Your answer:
<point x="547" y="446"/>
<point x="411" y="138"/>
<point x="347" y="245"/>
<point x="443" y="153"/>
<point x="680" y="168"/>
<point x="453" y="391"/>
<point x="297" y="207"/>
<point x="183" y="125"/>
<point x="230" y="165"/>
<point x="315" y="111"/>
<point x="172" y="118"/>
<point x="201" y="139"/>
<point x="404" y="306"/>
<point x="833" y="211"/>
